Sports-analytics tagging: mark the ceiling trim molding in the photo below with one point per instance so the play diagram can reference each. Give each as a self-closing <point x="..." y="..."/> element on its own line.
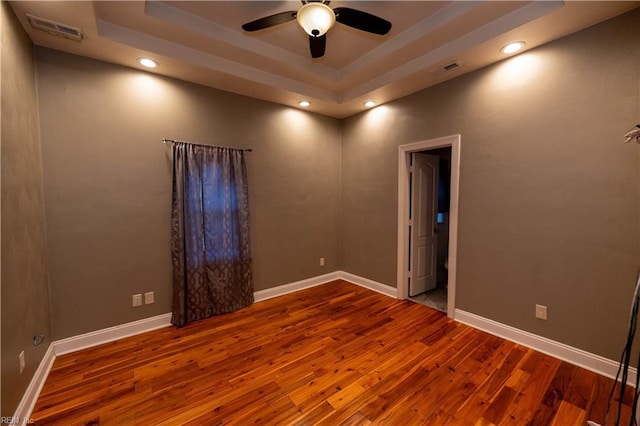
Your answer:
<point x="175" y="16"/>
<point x="191" y="56"/>
<point x="480" y="35"/>
<point x="415" y="32"/>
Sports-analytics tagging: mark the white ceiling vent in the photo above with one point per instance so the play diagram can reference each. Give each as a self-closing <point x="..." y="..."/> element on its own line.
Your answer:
<point x="440" y="70"/>
<point x="55" y="28"/>
<point x="451" y="66"/>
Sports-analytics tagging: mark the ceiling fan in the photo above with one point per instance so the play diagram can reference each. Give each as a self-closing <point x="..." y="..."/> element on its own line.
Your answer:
<point x="316" y="18"/>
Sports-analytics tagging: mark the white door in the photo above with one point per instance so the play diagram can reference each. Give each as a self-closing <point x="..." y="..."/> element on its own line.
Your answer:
<point x="424" y="237"/>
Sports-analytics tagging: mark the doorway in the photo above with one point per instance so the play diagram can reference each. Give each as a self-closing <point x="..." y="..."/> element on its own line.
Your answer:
<point x="429" y="194"/>
<point x="428" y="219"/>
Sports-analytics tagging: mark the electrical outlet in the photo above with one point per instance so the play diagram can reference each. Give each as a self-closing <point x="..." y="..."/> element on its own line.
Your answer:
<point x="148" y="298"/>
<point x="22" y="362"/>
<point x="322" y="261"/>
<point x="541" y="312"/>
<point x="137" y="300"/>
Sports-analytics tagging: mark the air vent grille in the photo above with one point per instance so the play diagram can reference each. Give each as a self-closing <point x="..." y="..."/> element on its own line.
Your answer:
<point x="55" y="28"/>
<point x="451" y="66"/>
<point x="439" y="71"/>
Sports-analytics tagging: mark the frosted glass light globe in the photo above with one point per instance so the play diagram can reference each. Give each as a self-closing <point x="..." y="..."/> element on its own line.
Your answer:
<point x="316" y="18"/>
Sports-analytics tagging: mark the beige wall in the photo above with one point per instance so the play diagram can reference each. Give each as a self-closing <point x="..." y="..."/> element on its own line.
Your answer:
<point x="25" y="296"/>
<point x="108" y="184"/>
<point x="548" y="191"/>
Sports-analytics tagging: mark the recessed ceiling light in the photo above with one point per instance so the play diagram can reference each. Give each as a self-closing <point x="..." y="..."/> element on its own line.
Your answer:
<point x="146" y="62"/>
<point x="369" y="104"/>
<point x="512" y="47"/>
<point x="304" y="103"/>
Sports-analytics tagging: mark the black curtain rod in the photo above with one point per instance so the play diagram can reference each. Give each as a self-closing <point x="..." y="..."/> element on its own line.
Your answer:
<point x="164" y="140"/>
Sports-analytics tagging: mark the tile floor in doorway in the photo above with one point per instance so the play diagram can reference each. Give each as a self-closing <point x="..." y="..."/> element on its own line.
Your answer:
<point x="436" y="298"/>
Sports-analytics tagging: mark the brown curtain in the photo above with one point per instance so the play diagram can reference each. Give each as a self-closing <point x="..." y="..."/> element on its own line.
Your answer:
<point x="209" y="232"/>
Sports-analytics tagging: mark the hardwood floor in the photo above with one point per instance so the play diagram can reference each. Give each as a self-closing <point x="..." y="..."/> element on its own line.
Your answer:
<point x="336" y="354"/>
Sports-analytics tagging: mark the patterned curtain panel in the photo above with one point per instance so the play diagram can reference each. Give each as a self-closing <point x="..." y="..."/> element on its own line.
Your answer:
<point x="209" y="232"/>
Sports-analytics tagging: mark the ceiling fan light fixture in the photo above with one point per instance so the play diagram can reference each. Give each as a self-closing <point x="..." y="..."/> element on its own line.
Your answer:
<point x="369" y="104"/>
<point x="316" y="18"/>
<point x="304" y="104"/>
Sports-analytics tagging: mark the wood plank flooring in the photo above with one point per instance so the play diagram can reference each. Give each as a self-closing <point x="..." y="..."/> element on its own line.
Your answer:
<point x="336" y="354"/>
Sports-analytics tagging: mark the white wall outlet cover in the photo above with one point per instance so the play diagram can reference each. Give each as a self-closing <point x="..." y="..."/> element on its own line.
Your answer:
<point x="136" y="300"/>
<point x="541" y="312"/>
<point x="148" y="298"/>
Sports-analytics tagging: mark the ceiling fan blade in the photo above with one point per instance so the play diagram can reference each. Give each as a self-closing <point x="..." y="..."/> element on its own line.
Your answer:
<point x="317" y="45"/>
<point x="362" y="20"/>
<point x="270" y="21"/>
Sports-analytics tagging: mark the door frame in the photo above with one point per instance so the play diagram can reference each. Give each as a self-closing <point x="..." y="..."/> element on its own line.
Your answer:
<point x="404" y="152"/>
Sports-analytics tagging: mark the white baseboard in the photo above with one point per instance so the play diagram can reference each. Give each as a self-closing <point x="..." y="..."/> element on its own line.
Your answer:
<point x="281" y="290"/>
<point x="370" y="284"/>
<point x="110" y="334"/>
<point x="584" y="359"/>
<point x="23" y="412"/>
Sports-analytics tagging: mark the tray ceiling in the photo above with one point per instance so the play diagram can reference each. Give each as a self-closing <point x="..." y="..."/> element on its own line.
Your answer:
<point x="202" y="42"/>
